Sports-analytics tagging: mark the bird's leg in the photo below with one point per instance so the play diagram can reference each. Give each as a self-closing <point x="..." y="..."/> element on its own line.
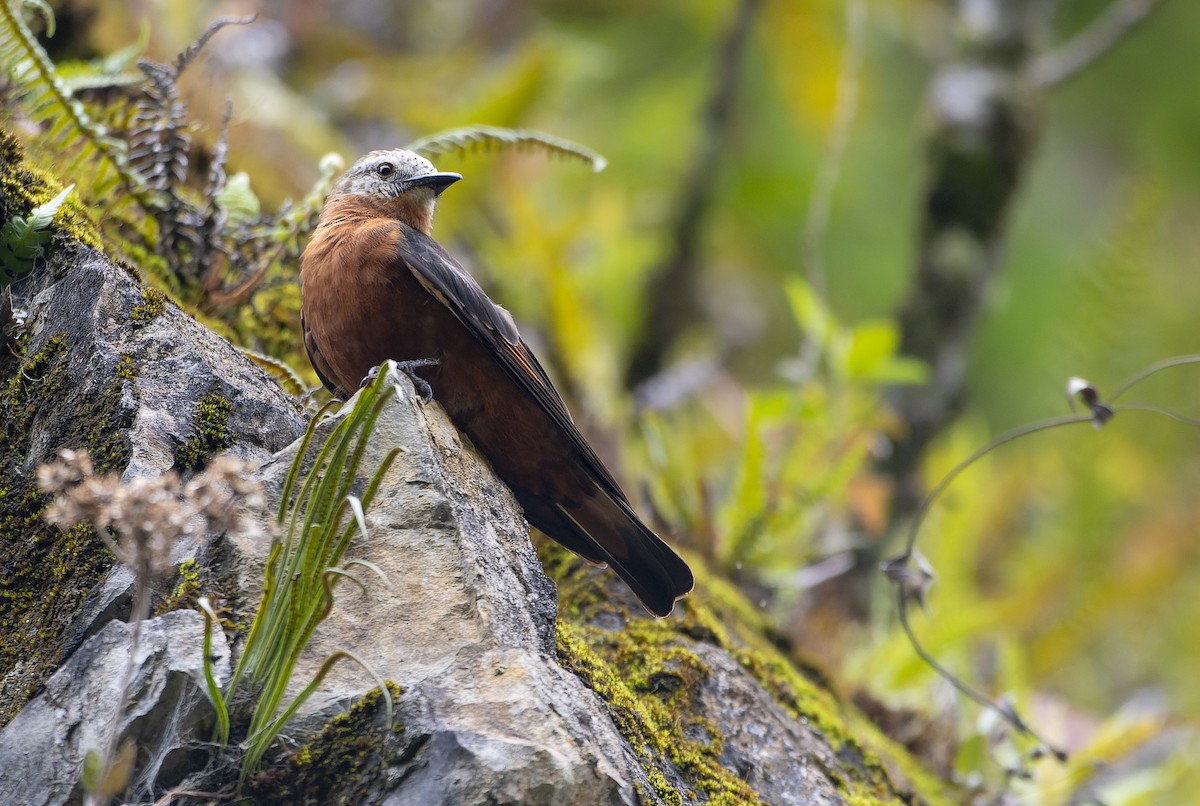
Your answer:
<point x="409" y="368"/>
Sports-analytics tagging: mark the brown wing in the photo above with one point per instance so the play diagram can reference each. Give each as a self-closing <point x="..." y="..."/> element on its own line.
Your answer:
<point x="455" y="288"/>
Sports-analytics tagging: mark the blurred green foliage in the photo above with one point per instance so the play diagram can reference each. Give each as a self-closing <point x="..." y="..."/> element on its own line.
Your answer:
<point x="23" y="239"/>
<point x="1069" y="569"/>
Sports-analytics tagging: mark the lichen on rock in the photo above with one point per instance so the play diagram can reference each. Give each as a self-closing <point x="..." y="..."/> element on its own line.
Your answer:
<point x="48" y="573"/>
<point x="75" y="374"/>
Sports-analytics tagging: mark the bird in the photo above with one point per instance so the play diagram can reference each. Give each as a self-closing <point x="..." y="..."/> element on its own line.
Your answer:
<point x="375" y="285"/>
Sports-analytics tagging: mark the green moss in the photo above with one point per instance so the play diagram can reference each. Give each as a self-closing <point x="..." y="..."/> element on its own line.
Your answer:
<point x="342" y="764"/>
<point x="210" y="432"/>
<point x="126" y="368"/>
<point x="48" y="572"/>
<point x="153" y="303"/>
<point x="651" y="682"/>
<point x="186" y="592"/>
<point x="23" y="187"/>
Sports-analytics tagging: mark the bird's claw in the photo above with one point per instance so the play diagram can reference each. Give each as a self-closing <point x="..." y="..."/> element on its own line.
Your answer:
<point x="409" y="368"/>
<point x="371" y="375"/>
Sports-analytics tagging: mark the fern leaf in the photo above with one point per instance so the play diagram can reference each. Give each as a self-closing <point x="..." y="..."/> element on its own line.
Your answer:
<point x="105" y="72"/>
<point x="474" y="138"/>
<point x="238" y="200"/>
<point x="281" y="239"/>
<point x="41" y="216"/>
<point x="34" y="75"/>
<point x="43" y="8"/>
<point x="286" y="377"/>
<point x="185" y="58"/>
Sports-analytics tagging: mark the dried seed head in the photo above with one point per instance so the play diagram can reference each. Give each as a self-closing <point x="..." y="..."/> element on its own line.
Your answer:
<point x="71" y="468"/>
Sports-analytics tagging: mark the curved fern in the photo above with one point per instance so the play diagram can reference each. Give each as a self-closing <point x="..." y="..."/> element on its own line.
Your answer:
<point x="474" y="138"/>
<point x="49" y="100"/>
<point x="284" y="375"/>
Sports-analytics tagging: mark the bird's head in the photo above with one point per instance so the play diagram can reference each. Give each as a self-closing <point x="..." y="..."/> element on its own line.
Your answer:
<point x="398" y="184"/>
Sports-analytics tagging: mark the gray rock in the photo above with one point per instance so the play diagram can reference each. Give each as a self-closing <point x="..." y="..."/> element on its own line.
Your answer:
<point x="782" y="759"/>
<point x="42" y="749"/>
<point x="153" y="366"/>
<point x="171" y="359"/>
<point x="466" y="626"/>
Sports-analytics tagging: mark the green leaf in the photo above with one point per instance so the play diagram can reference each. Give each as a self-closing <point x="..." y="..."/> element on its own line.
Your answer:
<point x="318" y="522"/>
<point x="810" y="312"/>
<point x="238" y="200"/>
<point x="41" y="216"/>
<point x="23" y="239"/>
<point x="473" y="138"/>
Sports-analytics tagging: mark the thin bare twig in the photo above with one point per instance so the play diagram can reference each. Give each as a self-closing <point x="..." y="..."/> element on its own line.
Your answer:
<point x="1003" y="439"/>
<point x="1003" y="709"/>
<point x="1154" y="369"/>
<point x="1044" y="425"/>
<point x="1178" y="417"/>
<point x="1105" y="32"/>
<point x="912" y="583"/>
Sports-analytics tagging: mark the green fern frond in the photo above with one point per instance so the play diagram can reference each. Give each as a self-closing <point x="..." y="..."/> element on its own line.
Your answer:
<point x="475" y="138"/>
<point x="287" y="377"/>
<point x="81" y="77"/>
<point x="43" y="8"/>
<point x="106" y="72"/>
<point x="277" y="241"/>
<point x="238" y="201"/>
<point x="49" y="100"/>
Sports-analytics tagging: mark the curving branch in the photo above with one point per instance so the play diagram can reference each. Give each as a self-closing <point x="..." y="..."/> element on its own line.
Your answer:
<point x="1108" y="29"/>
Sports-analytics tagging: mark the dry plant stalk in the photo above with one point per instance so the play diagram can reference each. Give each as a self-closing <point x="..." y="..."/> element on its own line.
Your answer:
<point x="150" y="514"/>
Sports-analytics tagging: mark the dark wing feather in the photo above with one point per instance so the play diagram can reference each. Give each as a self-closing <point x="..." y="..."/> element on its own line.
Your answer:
<point x="317" y="360"/>
<point x="455" y="288"/>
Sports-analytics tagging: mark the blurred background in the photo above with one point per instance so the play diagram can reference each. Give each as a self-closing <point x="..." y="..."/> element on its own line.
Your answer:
<point x="732" y="307"/>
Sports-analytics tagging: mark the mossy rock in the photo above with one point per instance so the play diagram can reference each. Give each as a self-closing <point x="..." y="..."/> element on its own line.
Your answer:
<point x="663" y="680"/>
<point x="48" y="573"/>
<point x="101" y="363"/>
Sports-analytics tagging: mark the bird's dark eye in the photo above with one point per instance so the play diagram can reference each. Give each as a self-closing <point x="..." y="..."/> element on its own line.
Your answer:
<point x="385" y="169"/>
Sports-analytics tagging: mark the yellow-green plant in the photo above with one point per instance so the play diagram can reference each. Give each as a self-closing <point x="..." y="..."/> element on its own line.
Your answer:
<point x="752" y="494"/>
<point x="318" y="516"/>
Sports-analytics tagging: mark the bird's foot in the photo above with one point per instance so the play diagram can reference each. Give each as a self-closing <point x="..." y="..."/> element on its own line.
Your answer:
<point x="371" y="375"/>
<point x="409" y="368"/>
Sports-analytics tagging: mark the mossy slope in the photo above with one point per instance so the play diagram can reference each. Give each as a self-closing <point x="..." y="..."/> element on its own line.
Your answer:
<point x="651" y="675"/>
<point x="46" y="574"/>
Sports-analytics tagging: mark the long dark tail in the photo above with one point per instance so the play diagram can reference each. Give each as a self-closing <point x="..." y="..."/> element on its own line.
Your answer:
<point x="606" y="530"/>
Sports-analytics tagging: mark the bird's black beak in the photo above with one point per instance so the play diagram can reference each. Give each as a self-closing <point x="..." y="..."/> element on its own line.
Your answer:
<point x="438" y="181"/>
